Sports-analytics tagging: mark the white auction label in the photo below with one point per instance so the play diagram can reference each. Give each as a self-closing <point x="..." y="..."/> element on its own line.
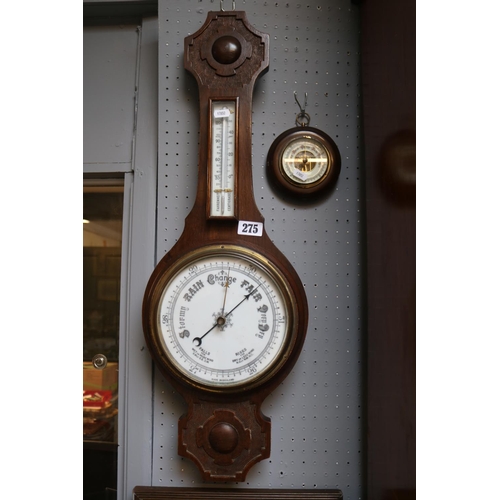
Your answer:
<point x="221" y="113"/>
<point x="250" y="228"/>
<point x="300" y="175"/>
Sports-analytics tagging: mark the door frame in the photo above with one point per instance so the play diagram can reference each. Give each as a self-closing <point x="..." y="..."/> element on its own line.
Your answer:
<point x="135" y="377"/>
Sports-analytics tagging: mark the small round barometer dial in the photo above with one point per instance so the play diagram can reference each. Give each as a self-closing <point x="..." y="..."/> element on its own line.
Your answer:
<point x="303" y="161"/>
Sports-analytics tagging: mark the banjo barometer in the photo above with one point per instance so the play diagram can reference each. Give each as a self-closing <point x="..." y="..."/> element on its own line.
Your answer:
<point x="224" y="312"/>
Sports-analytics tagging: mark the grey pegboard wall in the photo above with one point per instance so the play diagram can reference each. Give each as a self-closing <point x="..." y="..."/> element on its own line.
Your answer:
<point x="317" y="437"/>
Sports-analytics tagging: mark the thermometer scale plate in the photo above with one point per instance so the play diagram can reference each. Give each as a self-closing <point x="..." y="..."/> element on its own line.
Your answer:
<point x="223" y="119"/>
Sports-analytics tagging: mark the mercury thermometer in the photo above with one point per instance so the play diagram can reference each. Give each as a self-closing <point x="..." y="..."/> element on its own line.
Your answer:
<point x="222" y="161"/>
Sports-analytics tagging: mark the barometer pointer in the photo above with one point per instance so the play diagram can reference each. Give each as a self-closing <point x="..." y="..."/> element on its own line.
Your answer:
<point x="199" y="339"/>
<point x="243" y="300"/>
<point x="221" y="320"/>
<point x="225" y="292"/>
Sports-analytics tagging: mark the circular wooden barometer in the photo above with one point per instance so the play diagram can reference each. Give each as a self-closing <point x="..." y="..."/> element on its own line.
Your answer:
<point x="224" y="313"/>
<point x="303" y="163"/>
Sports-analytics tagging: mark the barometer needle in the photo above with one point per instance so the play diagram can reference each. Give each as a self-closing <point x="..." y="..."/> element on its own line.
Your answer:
<point x="243" y="300"/>
<point x="198" y="340"/>
<point x="221" y="320"/>
<point x="225" y="292"/>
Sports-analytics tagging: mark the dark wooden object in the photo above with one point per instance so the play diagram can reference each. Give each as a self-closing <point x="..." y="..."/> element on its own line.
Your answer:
<point x="150" y="493"/>
<point x="389" y="118"/>
<point x="225" y="432"/>
<point x="100" y="460"/>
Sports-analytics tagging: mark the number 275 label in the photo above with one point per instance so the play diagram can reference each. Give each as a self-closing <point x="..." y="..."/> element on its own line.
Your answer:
<point x="250" y="228"/>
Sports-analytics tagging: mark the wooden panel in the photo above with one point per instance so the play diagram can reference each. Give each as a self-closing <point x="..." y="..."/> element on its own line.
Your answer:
<point x="152" y="493"/>
<point x="388" y="75"/>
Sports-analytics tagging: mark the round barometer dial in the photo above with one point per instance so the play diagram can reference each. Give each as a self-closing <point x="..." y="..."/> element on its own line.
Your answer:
<point x="303" y="161"/>
<point x="222" y="318"/>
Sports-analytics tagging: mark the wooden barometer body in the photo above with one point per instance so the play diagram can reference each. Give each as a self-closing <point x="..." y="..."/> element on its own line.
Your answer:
<point x="224" y="313"/>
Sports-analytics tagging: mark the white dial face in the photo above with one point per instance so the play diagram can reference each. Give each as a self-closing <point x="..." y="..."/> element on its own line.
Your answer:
<point x="223" y="320"/>
<point x="223" y="122"/>
<point x="305" y="161"/>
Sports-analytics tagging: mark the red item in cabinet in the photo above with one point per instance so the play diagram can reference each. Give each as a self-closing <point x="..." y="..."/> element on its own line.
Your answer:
<point x="96" y="399"/>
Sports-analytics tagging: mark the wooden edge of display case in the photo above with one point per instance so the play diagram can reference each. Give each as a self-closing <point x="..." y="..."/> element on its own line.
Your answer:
<point x="162" y="493"/>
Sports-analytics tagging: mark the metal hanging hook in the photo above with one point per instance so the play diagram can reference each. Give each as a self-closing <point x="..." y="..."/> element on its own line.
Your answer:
<point x="303" y="118"/>
<point x="302" y="109"/>
<point x="222" y="5"/>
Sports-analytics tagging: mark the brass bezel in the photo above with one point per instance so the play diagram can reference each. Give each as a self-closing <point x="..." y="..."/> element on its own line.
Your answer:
<point x="291" y="311"/>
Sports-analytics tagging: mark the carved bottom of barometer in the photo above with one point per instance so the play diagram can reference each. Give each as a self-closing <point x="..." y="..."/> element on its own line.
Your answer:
<point x="225" y="440"/>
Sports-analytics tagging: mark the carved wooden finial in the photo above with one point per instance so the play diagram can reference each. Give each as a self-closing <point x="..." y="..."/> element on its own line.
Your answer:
<point x="226" y="46"/>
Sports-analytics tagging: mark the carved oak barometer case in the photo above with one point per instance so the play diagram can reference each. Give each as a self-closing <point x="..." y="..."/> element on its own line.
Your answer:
<point x="224" y="312"/>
